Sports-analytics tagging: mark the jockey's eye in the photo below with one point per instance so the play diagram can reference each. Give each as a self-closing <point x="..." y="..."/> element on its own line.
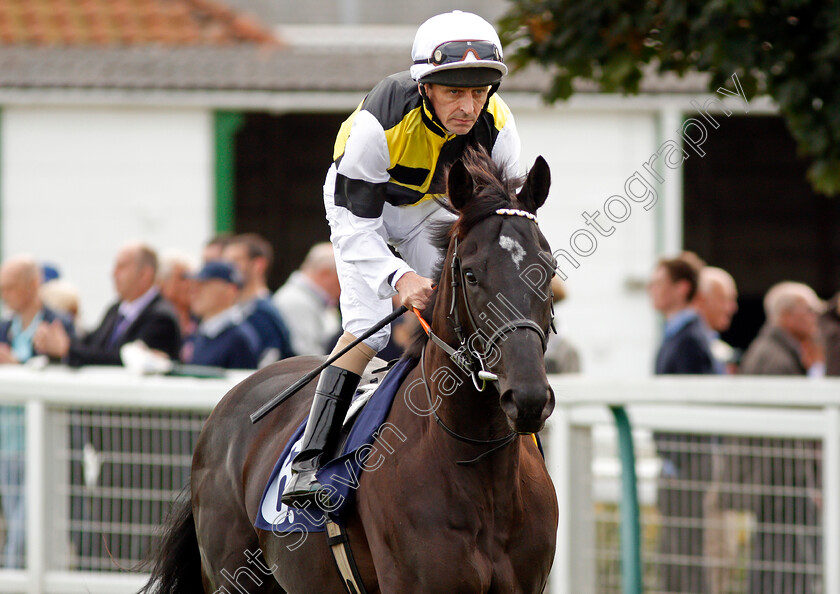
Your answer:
<point x="470" y="276"/>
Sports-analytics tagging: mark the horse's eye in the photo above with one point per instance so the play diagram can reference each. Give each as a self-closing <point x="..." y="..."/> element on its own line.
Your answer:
<point x="468" y="274"/>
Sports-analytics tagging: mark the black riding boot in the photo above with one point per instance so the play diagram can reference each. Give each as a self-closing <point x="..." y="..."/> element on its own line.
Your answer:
<point x="333" y="395"/>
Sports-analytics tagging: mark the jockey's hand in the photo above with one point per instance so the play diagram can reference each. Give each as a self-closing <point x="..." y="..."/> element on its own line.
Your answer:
<point x="414" y="290"/>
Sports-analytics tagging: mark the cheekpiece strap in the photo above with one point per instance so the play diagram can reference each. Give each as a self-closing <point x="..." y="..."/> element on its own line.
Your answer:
<point x="515" y="212"/>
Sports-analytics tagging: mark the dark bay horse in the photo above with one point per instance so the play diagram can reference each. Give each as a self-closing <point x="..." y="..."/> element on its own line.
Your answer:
<point x="464" y="503"/>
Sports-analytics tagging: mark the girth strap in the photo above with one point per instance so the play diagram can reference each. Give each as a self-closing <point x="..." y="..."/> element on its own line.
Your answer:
<point x="340" y="546"/>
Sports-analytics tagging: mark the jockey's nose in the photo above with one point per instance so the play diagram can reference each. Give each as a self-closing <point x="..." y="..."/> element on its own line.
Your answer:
<point x="467" y="104"/>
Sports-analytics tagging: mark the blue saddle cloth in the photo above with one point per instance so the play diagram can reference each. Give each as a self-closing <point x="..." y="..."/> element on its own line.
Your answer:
<point x="340" y="477"/>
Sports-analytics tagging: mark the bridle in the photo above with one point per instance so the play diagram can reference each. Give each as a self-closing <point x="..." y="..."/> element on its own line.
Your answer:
<point x="473" y="358"/>
<point x="470" y="357"/>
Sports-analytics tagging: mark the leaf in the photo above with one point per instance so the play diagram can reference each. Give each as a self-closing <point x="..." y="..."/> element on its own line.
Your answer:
<point x="787" y="49"/>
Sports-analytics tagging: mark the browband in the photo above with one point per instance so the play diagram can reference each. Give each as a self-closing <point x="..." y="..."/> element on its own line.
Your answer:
<point x="515" y="212"/>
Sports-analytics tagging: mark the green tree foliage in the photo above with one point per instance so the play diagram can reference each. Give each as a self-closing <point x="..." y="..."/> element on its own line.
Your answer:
<point x="786" y="49"/>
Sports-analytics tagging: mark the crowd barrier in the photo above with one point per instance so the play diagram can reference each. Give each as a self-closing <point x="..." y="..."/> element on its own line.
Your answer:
<point x="738" y="483"/>
<point x="738" y="478"/>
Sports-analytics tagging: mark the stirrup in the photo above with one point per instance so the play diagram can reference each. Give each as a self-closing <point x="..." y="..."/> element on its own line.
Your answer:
<point x="303" y="486"/>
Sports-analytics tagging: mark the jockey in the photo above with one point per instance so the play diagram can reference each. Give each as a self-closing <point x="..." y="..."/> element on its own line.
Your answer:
<point x="389" y="161"/>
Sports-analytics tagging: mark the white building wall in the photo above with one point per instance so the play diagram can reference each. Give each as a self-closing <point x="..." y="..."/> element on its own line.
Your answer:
<point x="607" y="314"/>
<point x="79" y="182"/>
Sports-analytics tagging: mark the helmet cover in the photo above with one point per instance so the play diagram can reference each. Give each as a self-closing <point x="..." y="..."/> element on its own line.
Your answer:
<point x="457" y="49"/>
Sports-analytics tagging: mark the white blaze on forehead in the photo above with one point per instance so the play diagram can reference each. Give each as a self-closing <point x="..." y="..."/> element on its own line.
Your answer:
<point x="517" y="252"/>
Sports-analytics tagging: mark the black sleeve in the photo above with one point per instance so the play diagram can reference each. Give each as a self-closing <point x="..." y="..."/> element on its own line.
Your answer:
<point x="161" y="332"/>
<point x="93" y="349"/>
<point x="84" y="353"/>
<point x="157" y="327"/>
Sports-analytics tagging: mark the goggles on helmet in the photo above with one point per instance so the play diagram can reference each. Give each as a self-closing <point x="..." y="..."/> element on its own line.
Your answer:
<point x="451" y="52"/>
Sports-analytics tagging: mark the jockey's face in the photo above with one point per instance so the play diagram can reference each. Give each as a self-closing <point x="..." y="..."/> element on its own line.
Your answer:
<point x="457" y="107"/>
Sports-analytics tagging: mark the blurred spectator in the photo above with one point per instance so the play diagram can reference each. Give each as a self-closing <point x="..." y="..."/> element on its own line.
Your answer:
<point x="175" y="285"/>
<point x="785" y="479"/>
<point x="20" y="280"/>
<point x="214" y="247"/>
<point x="222" y="338"/>
<point x="63" y="298"/>
<point x="561" y="356"/>
<point x="716" y="302"/>
<point x="672" y="287"/>
<point x="253" y="255"/>
<point x="787" y="343"/>
<point x="140" y="314"/>
<point x="307" y="302"/>
<point x="686" y="458"/>
<point x="829" y="324"/>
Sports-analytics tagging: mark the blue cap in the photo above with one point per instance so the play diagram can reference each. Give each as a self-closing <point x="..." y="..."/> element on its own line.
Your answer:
<point x="49" y="272"/>
<point x="220" y="270"/>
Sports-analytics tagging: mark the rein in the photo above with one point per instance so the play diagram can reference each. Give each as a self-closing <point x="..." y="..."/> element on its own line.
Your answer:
<point x="466" y="356"/>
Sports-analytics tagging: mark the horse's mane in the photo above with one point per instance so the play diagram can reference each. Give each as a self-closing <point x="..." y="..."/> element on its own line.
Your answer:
<point x="493" y="190"/>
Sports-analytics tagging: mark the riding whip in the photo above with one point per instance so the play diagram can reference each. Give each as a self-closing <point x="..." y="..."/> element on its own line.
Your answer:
<point x="305" y="379"/>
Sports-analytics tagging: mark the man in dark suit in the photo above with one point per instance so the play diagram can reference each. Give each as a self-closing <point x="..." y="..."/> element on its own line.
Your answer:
<point x="686" y="459"/>
<point x="140" y="314"/>
<point x="685" y="347"/>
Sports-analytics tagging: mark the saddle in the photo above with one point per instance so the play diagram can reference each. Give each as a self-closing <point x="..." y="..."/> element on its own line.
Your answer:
<point x="364" y="425"/>
<point x="364" y="428"/>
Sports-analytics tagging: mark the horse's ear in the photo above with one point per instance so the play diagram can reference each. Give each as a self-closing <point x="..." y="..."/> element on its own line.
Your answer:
<point x="459" y="185"/>
<point x="535" y="191"/>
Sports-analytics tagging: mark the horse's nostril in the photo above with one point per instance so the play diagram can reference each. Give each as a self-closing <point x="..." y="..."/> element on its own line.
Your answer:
<point x="549" y="405"/>
<point x="509" y="405"/>
<point x="528" y="405"/>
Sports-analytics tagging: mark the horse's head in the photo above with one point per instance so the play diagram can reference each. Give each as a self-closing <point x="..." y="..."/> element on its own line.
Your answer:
<point x="498" y="271"/>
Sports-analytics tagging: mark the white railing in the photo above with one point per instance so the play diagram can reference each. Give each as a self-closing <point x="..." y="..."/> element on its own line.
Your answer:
<point x="795" y="408"/>
<point x="723" y="406"/>
<point x="47" y="396"/>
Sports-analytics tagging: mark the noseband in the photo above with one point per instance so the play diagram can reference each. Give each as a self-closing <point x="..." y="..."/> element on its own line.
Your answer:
<point x="467" y="356"/>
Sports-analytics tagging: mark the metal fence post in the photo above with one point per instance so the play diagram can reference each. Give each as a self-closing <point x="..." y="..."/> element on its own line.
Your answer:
<point x="631" y="558"/>
<point x="559" y="459"/>
<point x="830" y="494"/>
<point x="36" y="562"/>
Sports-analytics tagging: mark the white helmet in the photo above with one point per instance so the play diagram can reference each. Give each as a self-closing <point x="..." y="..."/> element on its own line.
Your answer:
<point x="457" y="49"/>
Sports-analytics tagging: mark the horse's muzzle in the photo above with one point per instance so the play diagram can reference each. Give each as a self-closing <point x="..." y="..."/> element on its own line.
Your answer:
<point x="528" y="407"/>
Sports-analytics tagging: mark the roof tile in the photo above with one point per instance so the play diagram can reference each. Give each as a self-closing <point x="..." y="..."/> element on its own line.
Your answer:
<point x="121" y="23"/>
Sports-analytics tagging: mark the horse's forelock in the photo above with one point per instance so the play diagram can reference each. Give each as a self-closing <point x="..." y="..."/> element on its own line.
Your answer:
<point x="493" y="190"/>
